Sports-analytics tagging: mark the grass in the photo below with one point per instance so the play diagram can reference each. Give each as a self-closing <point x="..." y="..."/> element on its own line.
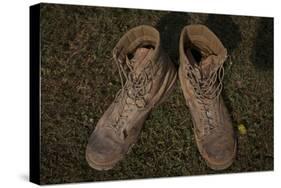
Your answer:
<point x="79" y="82"/>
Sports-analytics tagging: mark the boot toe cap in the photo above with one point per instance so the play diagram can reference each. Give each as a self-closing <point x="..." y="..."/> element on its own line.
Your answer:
<point x="102" y="152"/>
<point x="220" y="153"/>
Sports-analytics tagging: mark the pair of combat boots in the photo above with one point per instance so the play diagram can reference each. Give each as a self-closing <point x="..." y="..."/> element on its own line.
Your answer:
<point x="148" y="77"/>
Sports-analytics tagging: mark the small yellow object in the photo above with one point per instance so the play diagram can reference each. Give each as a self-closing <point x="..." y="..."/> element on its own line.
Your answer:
<point x="242" y="129"/>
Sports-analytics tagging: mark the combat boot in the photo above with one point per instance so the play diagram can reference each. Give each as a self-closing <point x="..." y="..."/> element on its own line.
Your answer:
<point x="201" y="72"/>
<point x="147" y="77"/>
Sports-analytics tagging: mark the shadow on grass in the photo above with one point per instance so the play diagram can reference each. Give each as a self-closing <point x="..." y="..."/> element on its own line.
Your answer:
<point x="226" y="30"/>
<point x="170" y="27"/>
<point x="262" y="52"/>
<point x="171" y="24"/>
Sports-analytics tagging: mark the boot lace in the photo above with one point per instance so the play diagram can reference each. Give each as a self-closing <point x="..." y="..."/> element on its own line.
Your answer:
<point x="134" y="87"/>
<point x="207" y="92"/>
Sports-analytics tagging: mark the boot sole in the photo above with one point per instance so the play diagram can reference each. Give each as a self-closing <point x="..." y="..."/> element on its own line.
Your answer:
<point x="101" y="166"/>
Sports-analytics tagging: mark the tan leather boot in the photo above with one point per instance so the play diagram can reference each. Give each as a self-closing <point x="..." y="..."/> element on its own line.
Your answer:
<point x="201" y="72"/>
<point x="150" y="77"/>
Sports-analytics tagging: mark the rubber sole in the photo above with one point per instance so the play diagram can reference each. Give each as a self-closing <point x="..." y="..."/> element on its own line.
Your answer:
<point x="101" y="166"/>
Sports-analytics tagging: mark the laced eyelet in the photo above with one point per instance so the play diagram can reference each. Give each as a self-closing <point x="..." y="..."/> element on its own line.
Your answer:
<point x="133" y="92"/>
<point x="206" y="91"/>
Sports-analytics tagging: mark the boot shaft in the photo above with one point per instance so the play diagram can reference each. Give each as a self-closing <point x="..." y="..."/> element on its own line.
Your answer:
<point x="201" y="76"/>
<point x="153" y="69"/>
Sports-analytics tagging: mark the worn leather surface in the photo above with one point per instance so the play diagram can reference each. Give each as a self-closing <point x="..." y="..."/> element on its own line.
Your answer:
<point x="211" y="121"/>
<point x="152" y="77"/>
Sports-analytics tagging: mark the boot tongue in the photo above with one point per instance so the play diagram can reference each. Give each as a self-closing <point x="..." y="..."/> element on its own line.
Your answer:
<point x="139" y="60"/>
<point x="205" y="66"/>
<point x="208" y="65"/>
